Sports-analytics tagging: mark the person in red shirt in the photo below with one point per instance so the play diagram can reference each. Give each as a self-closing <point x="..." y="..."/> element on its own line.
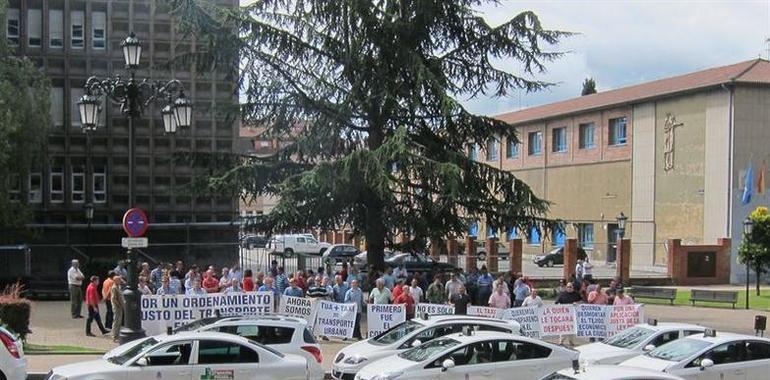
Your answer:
<point x="248" y="281"/>
<point x="398" y="289"/>
<point x="299" y="278"/>
<point x="210" y="283"/>
<point x="406" y="298"/>
<point x="92" y="301"/>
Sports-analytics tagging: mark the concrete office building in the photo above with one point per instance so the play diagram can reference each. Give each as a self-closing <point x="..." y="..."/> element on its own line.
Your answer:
<point x="671" y="154"/>
<point x="72" y="40"/>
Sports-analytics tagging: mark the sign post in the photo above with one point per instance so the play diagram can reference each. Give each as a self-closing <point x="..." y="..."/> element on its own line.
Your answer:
<point x="135" y="224"/>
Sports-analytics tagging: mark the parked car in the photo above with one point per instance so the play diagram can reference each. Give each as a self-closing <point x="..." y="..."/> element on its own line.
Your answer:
<point x="635" y="341"/>
<point x="556" y="257"/>
<point x="709" y="356"/>
<point x="300" y="244"/>
<point x="410" y="334"/>
<point x="340" y="252"/>
<point x="191" y="356"/>
<point x="418" y="262"/>
<point x="478" y="355"/>
<point x="609" y="372"/>
<point x="361" y="260"/>
<point x="13" y="364"/>
<point x="254" y="241"/>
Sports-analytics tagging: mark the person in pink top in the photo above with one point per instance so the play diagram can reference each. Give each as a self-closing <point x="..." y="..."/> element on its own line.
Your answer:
<point x="597" y="296"/>
<point x="499" y="298"/>
<point x="621" y="299"/>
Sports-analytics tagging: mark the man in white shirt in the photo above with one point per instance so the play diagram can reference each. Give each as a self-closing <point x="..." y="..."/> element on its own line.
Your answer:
<point x="416" y="291"/>
<point x="452" y="286"/>
<point x="75" y="281"/>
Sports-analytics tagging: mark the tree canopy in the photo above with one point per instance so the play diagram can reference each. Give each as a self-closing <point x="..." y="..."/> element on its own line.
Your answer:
<point x="589" y="87"/>
<point x="754" y="249"/>
<point x="368" y="96"/>
<point x="24" y="121"/>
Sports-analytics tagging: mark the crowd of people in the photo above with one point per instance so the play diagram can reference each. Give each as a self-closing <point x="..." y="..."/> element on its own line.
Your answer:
<point x="344" y="285"/>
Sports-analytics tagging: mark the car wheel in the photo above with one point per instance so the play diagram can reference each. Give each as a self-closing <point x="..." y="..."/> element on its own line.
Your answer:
<point x="539" y="265"/>
<point x="288" y="252"/>
<point x="549" y="263"/>
<point x="482" y="256"/>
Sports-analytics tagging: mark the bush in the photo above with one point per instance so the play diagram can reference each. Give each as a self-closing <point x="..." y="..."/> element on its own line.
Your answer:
<point x="15" y="310"/>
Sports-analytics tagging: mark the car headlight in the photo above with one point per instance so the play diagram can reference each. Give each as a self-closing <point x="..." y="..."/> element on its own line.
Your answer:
<point x="355" y="359"/>
<point x="387" y="376"/>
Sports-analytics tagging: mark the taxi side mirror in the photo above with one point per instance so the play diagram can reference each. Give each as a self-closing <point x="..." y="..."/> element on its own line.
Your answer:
<point x="706" y="363"/>
<point x="143" y="361"/>
<point x="416" y="343"/>
<point x="447" y="364"/>
<point x="649" y="347"/>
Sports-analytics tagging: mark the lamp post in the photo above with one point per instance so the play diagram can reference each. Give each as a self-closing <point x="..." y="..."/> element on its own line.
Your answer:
<point x="89" y="208"/>
<point x="133" y="96"/>
<point x="621" y="231"/>
<point x="748" y="228"/>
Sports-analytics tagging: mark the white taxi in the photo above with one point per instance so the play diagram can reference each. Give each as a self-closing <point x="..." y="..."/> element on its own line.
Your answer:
<point x="711" y="356"/>
<point x="410" y="334"/>
<point x="191" y="356"/>
<point x="635" y="341"/>
<point x="610" y="372"/>
<point x="13" y="364"/>
<point x="478" y="355"/>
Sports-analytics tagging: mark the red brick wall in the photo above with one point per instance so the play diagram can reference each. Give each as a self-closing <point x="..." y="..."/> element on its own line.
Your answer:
<point x="677" y="262"/>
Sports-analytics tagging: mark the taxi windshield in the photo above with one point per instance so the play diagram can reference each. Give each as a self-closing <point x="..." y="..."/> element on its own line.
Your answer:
<point x="428" y="350"/>
<point x="629" y="338"/>
<point x="396" y="333"/>
<point x="679" y="349"/>
<point x="133" y="351"/>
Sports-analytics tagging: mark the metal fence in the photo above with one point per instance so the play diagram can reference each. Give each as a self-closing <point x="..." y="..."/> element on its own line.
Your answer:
<point x="259" y="259"/>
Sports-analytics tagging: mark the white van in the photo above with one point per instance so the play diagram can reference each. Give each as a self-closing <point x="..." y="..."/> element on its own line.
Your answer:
<point x="301" y="244"/>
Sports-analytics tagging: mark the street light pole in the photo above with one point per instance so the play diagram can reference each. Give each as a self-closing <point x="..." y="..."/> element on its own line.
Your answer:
<point x="748" y="228"/>
<point x="133" y="96"/>
<point x="89" y="208"/>
<point x="619" y="263"/>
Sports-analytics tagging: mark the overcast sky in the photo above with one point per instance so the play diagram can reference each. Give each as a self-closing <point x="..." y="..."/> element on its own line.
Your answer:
<point x="624" y="42"/>
<point x="628" y="42"/>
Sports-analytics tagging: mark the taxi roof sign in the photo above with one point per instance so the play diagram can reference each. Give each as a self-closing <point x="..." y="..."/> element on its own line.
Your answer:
<point x="711" y="333"/>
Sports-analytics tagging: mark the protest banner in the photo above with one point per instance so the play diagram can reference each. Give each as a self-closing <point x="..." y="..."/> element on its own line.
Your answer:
<point x="620" y="318"/>
<point x="335" y="319"/>
<point x="557" y="320"/>
<point x="161" y="312"/>
<point x="381" y="318"/>
<point x="483" y="311"/>
<point x="299" y="307"/>
<point x="592" y="320"/>
<point x="528" y="319"/>
<point x="434" y="309"/>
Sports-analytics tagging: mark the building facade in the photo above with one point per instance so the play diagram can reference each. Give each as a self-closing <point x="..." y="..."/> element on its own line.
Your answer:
<point x="670" y="154"/>
<point x="72" y="40"/>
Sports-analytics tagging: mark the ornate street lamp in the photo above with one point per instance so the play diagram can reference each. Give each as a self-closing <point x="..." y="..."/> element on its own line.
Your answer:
<point x="621" y="219"/>
<point x="133" y="97"/>
<point x="748" y="228"/>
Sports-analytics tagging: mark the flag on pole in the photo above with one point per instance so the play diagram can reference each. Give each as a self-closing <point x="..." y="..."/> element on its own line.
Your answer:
<point x="761" y="178"/>
<point x="748" y="185"/>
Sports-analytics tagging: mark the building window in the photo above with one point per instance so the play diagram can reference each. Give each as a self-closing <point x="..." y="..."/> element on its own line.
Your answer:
<point x="76" y="33"/>
<point x="12" y="26"/>
<point x="558" y="237"/>
<point x="511" y="148"/>
<point x="99" y="30"/>
<point x="513" y="233"/>
<point x="78" y="184"/>
<point x="587" y="135"/>
<point x="491" y="232"/>
<point x="35" y="188"/>
<point x="533" y="236"/>
<point x="75" y="94"/>
<point x="586" y="235"/>
<point x="35" y="27"/>
<point x="618" y="131"/>
<point x="14" y="188"/>
<point x="57" y="184"/>
<point x="473" y="229"/>
<point x="57" y="106"/>
<point x="56" y="28"/>
<point x="492" y="149"/>
<point x="535" y="140"/>
<point x="473" y="151"/>
<point x="559" y="136"/>
<point x="100" y="184"/>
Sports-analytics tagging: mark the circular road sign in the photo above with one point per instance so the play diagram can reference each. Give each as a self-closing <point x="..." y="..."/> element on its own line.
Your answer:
<point x="135" y="222"/>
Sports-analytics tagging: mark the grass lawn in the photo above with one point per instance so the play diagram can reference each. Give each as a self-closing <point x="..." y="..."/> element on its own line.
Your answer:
<point x="38" y="349"/>
<point x="761" y="302"/>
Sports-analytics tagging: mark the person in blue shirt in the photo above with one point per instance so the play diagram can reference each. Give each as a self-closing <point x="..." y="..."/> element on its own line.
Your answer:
<point x="389" y="278"/>
<point x="356" y="296"/>
<point x="484" y="284"/>
<point x="339" y="289"/>
<point x="268" y="287"/>
<point x="293" y="290"/>
<point x="281" y="281"/>
<point x="196" y="289"/>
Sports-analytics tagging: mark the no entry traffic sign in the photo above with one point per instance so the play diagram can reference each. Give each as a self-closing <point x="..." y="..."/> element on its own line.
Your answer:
<point x="135" y="222"/>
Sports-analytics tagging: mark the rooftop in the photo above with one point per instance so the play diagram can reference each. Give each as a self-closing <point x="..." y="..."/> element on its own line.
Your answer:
<point x="753" y="71"/>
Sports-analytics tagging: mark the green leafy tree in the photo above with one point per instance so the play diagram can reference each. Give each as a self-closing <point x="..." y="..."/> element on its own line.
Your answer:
<point x="24" y="120"/>
<point x="367" y="94"/>
<point x="754" y="249"/>
<point x="589" y="87"/>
